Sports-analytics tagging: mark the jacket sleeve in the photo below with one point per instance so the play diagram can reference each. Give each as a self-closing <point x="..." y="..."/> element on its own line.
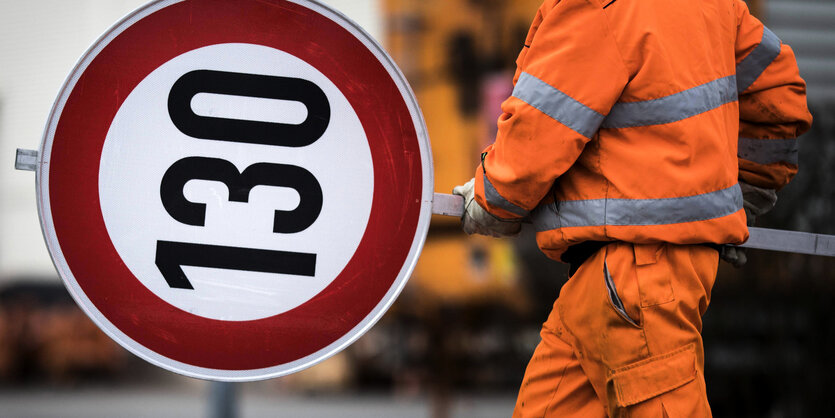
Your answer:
<point x="570" y="73"/>
<point x="772" y="104"/>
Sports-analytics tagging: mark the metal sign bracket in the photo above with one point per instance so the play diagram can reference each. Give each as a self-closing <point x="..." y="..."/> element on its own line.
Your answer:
<point x="26" y="159"/>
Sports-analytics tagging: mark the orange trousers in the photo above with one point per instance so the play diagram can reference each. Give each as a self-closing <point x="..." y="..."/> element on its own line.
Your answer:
<point x="624" y="337"/>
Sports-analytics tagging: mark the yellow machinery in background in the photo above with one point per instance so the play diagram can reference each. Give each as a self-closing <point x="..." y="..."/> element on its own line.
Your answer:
<point x="459" y="57"/>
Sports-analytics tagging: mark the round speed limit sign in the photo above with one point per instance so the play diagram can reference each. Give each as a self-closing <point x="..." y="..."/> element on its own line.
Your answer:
<point x="235" y="190"/>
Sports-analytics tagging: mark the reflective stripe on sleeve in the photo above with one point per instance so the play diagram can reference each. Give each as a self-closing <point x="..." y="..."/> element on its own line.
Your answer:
<point x="758" y="60"/>
<point x="622" y="212"/>
<point x="495" y="199"/>
<point x="673" y="108"/>
<point x="768" y="151"/>
<point x="558" y="105"/>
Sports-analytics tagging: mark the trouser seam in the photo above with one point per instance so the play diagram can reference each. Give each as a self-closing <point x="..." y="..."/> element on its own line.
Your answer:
<point x="554" y="393"/>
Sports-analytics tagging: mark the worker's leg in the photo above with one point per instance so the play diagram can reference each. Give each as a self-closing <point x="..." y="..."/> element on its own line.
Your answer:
<point x="554" y="384"/>
<point x="633" y="317"/>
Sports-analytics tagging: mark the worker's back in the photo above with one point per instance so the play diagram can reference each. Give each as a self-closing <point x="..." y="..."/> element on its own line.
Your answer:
<point x="672" y="133"/>
<point x="679" y="53"/>
<point x="631" y="112"/>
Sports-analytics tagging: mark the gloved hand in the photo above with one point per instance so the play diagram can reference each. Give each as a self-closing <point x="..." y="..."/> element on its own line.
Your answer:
<point x="756" y="201"/>
<point x="476" y="220"/>
<point x="733" y="255"/>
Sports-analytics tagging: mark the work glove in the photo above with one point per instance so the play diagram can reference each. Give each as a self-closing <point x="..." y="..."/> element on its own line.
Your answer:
<point x="756" y="201"/>
<point x="733" y="255"/>
<point x="476" y="220"/>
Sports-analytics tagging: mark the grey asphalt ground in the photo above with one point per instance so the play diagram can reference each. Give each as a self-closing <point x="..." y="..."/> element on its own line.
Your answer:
<point x="194" y="402"/>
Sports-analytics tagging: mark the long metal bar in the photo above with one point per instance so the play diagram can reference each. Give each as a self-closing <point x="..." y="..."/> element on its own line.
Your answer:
<point x="791" y="241"/>
<point x="448" y="205"/>
<point x="761" y="238"/>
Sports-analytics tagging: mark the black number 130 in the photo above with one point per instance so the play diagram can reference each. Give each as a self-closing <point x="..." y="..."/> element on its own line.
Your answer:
<point x="171" y="256"/>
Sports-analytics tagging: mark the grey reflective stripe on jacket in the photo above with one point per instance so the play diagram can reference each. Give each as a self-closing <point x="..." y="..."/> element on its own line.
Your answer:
<point x="623" y="212"/>
<point x="673" y="108"/>
<point x="749" y="70"/>
<point x="495" y="199"/>
<point x="558" y="105"/>
<point x="768" y="151"/>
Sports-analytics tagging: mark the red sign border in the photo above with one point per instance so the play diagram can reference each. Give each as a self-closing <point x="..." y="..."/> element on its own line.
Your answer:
<point x="198" y="346"/>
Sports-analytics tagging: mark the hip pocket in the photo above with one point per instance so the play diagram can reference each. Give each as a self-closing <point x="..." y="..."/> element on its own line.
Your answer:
<point x="614" y="298"/>
<point x="654" y="278"/>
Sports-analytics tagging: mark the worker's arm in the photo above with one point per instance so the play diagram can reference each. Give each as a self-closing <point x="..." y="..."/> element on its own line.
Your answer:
<point x="568" y="78"/>
<point x="772" y="104"/>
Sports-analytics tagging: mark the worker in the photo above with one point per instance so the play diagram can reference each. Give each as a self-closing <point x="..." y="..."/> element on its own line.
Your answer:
<point x="637" y="134"/>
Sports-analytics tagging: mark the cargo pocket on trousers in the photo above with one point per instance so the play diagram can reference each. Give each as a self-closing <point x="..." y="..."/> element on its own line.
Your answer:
<point x="646" y="379"/>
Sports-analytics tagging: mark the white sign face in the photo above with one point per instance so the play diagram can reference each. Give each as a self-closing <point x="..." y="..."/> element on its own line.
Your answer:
<point x="235" y="190"/>
<point x="143" y="143"/>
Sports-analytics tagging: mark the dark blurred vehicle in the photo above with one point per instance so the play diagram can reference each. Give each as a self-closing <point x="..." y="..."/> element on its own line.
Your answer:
<point x="45" y="336"/>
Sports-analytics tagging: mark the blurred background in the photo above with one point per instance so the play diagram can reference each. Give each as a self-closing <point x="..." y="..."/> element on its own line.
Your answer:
<point x="456" y="342"/>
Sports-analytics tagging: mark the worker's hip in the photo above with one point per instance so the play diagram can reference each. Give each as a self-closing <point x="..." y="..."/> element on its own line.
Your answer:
<point x="633" y="313"/>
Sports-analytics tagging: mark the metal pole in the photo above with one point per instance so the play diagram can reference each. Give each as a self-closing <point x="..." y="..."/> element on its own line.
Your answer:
<point x="223" y="400"/>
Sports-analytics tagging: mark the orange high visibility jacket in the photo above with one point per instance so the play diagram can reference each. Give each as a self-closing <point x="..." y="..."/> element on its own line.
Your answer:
<point x="634" y="121"/>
